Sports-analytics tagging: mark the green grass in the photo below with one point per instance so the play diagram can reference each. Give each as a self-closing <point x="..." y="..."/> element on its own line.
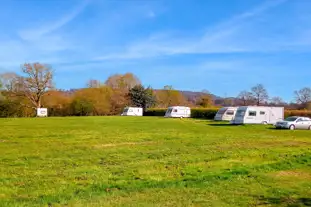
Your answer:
<point x="150" y="161"/>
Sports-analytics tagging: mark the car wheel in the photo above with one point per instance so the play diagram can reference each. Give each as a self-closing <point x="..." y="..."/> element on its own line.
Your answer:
<point x="292" y="127"/>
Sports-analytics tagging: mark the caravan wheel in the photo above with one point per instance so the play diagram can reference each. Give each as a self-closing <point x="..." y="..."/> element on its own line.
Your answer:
<point x="265" y="123"/>
<point x="309" y="127"/>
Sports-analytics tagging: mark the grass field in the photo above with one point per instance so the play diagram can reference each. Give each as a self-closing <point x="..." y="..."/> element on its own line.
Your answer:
<point x="149" y="161"/>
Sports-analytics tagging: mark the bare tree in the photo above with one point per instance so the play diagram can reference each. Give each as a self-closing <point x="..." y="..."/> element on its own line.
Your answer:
<point x="260" y="94"/>
<point x="38" y="79"/>
<point x="93" y="83"/>
<point x="303" y="96"/>
<point x="9" y="81"/>
<point x="168" y="87"/>
<point x="277" y="101"/>
<point x="246" y="97"/>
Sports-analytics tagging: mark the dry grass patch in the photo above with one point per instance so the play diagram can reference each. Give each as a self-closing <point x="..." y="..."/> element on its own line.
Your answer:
<point x="293" y="174"/>
<point x="124" y="144"/>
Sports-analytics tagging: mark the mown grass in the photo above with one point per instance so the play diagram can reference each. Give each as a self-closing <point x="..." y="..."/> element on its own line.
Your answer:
<point x="151" y="161"/>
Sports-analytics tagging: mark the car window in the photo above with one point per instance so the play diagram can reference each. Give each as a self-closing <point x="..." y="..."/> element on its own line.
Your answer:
<point x="300" y="119"/>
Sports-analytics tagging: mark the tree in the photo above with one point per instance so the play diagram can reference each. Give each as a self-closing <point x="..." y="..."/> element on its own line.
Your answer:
<point x="246" y="98"/>
<point x="141" y="97"/>
<point x="168" y="87"/>
<point x="99" y="98"/>
<point x="37" y="80"/>
<point x="9" y="81"/>
<point x="123" y="82"/>
<point x="169" y="97"/>
<point x="206" y="99"/>
<point x="276" y="101"/>
<point x="260" y="94"/>
<point x="93" y="83"/>
<point x="303" y="96"/>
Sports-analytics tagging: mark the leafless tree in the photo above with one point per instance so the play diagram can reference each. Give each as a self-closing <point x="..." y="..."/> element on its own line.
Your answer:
<point x="93" y="83"/>
<point x="9" y="81"/>
<point x="37" y="80"/>
<point x="260" y="94"/>
<point x="277" y="101"/>
<point x="246" y="97"/>
<point x="303" y="96"/>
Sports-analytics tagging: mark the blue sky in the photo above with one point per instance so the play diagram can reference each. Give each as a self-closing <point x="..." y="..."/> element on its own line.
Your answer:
<point x="222" y="46"/>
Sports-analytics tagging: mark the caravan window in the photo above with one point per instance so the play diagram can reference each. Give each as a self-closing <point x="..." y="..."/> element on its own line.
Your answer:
<point x="262" y="113"/>
<point x="131" y="110"/>
<point x="229" y="112"/>
<point x="175" y="110"/>
<point x="240" y="112"/>
<point x="252" y="113"/>
<point x="221" y="111"/>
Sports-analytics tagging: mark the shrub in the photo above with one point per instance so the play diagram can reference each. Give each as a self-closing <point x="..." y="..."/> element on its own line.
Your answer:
<point x="155" y="112"/>
<point x="204" y="113"/>
<point x="288" y="113"/>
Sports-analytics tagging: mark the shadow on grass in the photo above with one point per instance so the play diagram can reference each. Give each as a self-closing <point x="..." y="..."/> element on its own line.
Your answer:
<point x="223" y="124"/>
<point x="287" y="201"/>
<point x="273" y="128"/>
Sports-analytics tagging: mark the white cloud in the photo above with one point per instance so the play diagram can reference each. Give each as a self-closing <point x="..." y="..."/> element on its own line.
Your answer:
<point x="226" y="37"/>
<point x="32" y="34"/>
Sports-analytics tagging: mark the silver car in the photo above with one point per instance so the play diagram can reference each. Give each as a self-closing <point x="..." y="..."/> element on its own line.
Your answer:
<point x="294" y="122"/>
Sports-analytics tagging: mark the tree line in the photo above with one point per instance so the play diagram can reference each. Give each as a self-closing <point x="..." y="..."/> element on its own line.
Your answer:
<point x="21" y="94"/>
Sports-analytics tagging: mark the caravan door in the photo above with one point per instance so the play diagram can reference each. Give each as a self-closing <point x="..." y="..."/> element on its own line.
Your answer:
<point x="264" y="117"/>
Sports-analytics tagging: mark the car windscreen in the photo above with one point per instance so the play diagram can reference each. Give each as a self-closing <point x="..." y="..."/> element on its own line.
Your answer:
<point x="291" y="119"/>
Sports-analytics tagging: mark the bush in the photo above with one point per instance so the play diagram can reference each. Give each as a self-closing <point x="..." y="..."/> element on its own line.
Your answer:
<point x="204" y="113"/>
<point x="155" y="112"/>
<point x="297" y="113"/>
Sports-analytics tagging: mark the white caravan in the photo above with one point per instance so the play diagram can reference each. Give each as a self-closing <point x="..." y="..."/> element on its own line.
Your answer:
<point x="258" y="115"/>
<point x="178" y="112"/>
<point x="132" y="111"/>
<point x="225" y="114"/>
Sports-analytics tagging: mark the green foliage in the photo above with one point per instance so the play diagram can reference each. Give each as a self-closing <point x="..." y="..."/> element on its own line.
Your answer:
<point x="155" y="112"/>
<point x="141" y="97"/>
<point x="151" y="161"/>
<point x="204" y="113"/>
<point x="81" y="107"/>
